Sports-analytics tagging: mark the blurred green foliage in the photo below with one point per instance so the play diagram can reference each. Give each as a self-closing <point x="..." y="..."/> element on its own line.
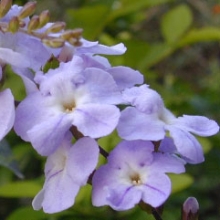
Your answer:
<point x="175" y="44"/>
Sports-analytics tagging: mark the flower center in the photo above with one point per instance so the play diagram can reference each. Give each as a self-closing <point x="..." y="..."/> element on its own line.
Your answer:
<point x="135" y="179"/>
<point x="69" y="107"/>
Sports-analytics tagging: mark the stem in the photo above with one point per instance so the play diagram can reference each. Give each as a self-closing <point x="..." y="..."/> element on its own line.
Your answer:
<point x="103" y="152"/>
<point x="79" y="135"/>
<point x="76" y="133"/>
<point x="156" y="214"/>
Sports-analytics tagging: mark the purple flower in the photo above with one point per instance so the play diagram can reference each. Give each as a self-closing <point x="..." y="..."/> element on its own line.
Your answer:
<point x="69" y="95"/>
<point x="67" y="52"/>
<point x="7" y="112"/>
<point x="66" y="171"/>
<point x="124" y="77"/>
<point x="150" y="120"/>
<point x="17" y="50"/>
<point x="134" y="173"/>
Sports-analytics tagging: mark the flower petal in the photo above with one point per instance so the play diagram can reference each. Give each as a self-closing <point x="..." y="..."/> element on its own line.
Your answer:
<point x="134" y="125"/>
<point x="59" y="193"/>
<point x="82" y="159"/>
<point x="7" y="112"/>
<point x="96" y="120"/>
<point x="138" y="153"/>
<point x="199" y="125"/>
<point x="125" y="77"/>
<point x="101" y="87"/>
<point x="187" y="145"/>
<point x="47" y="136"/>
<point x="167" y="163"/>
<point x="144" y="99"/>
<point x="96" y="48"/>
<point x="29" y="113"/>
<point x="157" y="189"/>
<point x="124" y="197"/>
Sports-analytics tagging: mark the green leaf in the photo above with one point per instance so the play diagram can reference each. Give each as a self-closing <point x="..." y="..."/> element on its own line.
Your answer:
<point x="7" y="159"/>
<point x="200" y="35"/>
<point x="176" y="22"/>
<point x="125" y="7"/>
<point x="27" y="213"/>
<point x="155" y="53"/>
<point x="20" y="189"/>
<point x="180" y="181"/>
<point x="92" y="19"/>
<point x="53" y="63"/>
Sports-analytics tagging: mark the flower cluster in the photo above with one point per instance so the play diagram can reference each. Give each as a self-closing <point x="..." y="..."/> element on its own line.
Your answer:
<point x="68" y="108"/>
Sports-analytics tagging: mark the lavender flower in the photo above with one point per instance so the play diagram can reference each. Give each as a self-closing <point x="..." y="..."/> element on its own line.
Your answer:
<point x="67" y="52"/>
<point x="150" y="120"/>
<point x="17" y="49"/>
<point x="7" y="112"/>
<point x="124" y="77"/>
<point x="66" y="171"/>
<point x="69" y="95"/>
<point x="134" y="173"/>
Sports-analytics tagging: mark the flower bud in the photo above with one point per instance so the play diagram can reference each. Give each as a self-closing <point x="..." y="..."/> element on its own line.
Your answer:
<point x="55" y="43"/>
<point x="27" y="10"/>
<point x="190" y="209"/>
<point x="5" y="5"/>
<point x="56" y="27"/>
<point x="33" y="23"/>
<point x="76" y="33"/>
<point x="13" y="25"/>
<point x="44" y="18"/>
<point x="75" y="42"/>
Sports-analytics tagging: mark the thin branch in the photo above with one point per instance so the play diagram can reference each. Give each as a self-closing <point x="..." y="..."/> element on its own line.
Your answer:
<point x="156" y="214"/>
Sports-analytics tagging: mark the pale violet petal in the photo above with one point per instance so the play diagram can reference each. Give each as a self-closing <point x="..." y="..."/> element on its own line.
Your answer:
<point x="96" y="120"/>
<point x="144" y="99"/>
<point x="137" y="152"/>
<point x="29" y="114"/>
<point x="47" y="136"/>
<point x="167" y="163"/>
<point x="125" y="77"/>
<point x="38" y="199"/>
<point x="82" y="159"/>
<point x="156" y="189"/>
<point x="101" y="87"/>
<point x="7" y="112"/>
<point x="124" y="197"/>
<point x="134" y="125"/>
<point x="59" y="193"/>
<point x="199" y="125"/>
<point x="187" y="145"/>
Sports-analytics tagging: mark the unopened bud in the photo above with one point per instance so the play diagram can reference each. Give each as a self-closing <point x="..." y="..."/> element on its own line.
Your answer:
<point x="5" y="6"/>
<point x="33" y="23"/>
<point x="27" y="10"/>
<point x="76" y="33"/>
<point x="22" y="23"/>
<point x="56" y="27"/>
<point x="190" y="209"/>
<point x="55" y="43"/>
<point x="13" y="25"/>
<point x="44" y="18"/>
<point x="75" y="42"/>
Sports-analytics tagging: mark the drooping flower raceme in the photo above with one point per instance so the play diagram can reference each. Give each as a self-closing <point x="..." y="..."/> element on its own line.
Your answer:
<point x="150" y="120"/>
<point x="7" y="112"/>
<point x="69" y="95"/>
<point x="134" y="172"/>
<point x="66" y="170"/>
